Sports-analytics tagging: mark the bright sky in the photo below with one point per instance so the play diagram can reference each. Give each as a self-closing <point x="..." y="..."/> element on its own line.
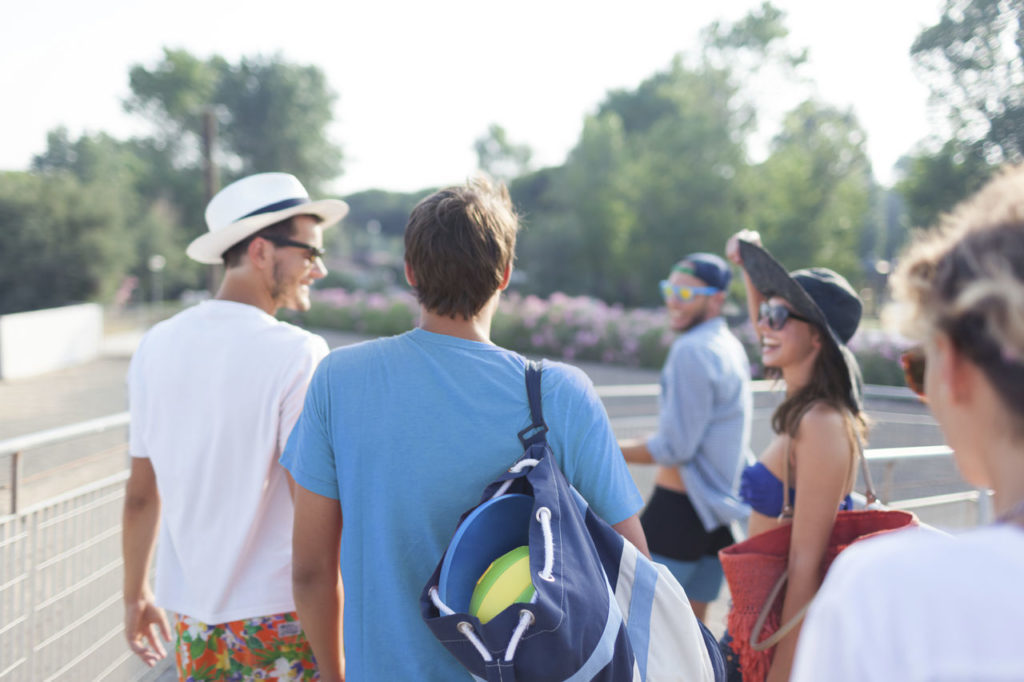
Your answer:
<point x="418" y="82"/>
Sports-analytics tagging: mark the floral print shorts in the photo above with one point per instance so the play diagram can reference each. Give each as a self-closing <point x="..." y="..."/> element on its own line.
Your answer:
<point x="265" y="648"/>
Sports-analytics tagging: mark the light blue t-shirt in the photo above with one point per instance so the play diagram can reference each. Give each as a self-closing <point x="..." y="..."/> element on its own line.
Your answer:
<point x="406" y="432"/>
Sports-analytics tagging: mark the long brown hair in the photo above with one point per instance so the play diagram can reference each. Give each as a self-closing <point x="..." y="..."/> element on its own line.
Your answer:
<point x="829" y="384"/>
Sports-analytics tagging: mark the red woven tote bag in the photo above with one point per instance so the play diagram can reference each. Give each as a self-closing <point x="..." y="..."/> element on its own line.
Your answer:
<point x="756" y="571"/>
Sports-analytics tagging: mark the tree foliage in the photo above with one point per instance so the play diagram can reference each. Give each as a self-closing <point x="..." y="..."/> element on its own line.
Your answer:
<point x="173" y="95"/>
<point x="275" y="116"/>
<point x="662" y="170"/>
<point x="271" y="115"/>
<point x="811" y="197"/>
<point x="95" y="209"/>
<point x="933" y="183"/>
<point x="658" y="171"/>
<point x="973" y="59"/>
<point x="145" y="220"/>
<point x="65" y="241"/>
<point x="499" y="157"/>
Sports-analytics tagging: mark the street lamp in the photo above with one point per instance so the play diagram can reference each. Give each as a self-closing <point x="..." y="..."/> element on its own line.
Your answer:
<point x="156" y="264"/>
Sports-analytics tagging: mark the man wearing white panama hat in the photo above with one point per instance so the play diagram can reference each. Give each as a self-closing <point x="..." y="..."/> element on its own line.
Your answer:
<point x="214" y="393"/>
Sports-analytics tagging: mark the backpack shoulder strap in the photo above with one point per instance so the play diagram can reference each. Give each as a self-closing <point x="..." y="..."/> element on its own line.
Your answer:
<point x="537" y="426"/>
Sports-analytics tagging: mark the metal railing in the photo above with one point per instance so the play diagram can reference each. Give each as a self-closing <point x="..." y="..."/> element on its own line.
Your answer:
<point x="61" y="615"/>
<point x="15" y="447"/>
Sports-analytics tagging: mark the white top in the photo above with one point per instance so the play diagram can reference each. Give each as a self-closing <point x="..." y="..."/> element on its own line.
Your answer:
<point x="214" y="393"/>
<point x="915" y="606"/>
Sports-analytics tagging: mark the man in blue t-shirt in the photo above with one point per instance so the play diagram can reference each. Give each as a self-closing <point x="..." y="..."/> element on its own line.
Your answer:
<point x="399" y="436"/>
<point x="703" y="432"/>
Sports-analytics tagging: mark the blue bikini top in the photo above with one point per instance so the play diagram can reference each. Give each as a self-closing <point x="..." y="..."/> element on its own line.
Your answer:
<point x="760" y="488"/>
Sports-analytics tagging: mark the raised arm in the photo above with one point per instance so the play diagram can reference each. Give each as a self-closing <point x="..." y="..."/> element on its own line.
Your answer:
<point x="732" y="252"/>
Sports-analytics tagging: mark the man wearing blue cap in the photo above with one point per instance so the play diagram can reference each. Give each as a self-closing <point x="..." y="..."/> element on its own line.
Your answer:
<point x="701" y="444"/>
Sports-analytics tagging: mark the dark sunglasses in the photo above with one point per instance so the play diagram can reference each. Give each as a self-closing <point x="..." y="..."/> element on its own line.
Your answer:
<point x="313" y="251"/>
<point x="913" y="363"/>
<point x="776" y="315"/>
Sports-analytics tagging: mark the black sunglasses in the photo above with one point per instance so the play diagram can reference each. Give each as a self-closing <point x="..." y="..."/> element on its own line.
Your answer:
<point x="777" y="314"/>
<point x="913" y="363"/>
<point x="314" y="251"/>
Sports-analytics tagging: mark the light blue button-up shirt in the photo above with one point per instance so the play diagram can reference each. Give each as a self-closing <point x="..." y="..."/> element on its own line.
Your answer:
<point x="704" y="420"/>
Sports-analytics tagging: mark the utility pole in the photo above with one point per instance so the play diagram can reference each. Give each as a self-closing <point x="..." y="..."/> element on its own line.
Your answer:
<point x="210" y="176"/>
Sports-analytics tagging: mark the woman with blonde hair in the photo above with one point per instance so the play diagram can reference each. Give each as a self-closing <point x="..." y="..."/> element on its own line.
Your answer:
<point x="804" y="320"/>
<point x="923" y="606"/>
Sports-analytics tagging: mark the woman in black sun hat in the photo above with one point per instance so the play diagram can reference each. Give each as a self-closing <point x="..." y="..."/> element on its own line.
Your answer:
<point x="804" y="320"/>
<point x="924" y="606"/>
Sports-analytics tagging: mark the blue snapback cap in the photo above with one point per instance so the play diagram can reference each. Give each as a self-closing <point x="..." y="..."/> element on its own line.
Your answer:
<point x="708" y="267"/>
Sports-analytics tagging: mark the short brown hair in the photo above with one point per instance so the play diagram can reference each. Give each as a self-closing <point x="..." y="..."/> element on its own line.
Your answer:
<point x="965" y="278"/>
<point x="458" y="243"/>
<point x="282" y="228"/>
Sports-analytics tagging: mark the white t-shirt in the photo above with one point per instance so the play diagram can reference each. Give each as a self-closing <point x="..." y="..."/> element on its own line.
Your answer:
<point x="214" y="393"/>
<point x="917" y="606"/>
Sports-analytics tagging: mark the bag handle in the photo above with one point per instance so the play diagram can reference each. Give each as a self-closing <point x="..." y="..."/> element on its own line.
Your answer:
<point x="784" y="628"/>
<point x="534" y="371"/>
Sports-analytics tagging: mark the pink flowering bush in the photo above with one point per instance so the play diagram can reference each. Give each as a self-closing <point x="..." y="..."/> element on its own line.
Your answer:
<point x="574" y="328"/>
<point x="373" y="314"/>
<point x="581" y="328"/>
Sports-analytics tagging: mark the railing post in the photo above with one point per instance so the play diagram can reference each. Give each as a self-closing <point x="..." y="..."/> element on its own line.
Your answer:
<point x="32" y="541"/>
<point x="890" y="466"/>
<point x="985" y="513"/>
<point x="15" y="479"/>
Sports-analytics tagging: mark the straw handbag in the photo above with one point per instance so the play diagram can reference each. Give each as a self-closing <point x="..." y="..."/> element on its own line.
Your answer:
<point x="756" y="572"/>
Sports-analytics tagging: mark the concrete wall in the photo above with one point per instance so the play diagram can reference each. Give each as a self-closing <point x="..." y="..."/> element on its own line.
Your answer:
<point x="45" y="340"/>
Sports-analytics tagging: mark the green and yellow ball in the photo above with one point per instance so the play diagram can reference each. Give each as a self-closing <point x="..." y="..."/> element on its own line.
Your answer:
<point x="505" y="582"/>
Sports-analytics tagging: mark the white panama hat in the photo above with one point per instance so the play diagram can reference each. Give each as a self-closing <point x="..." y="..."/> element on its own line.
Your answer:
<point x="248" y="205"/>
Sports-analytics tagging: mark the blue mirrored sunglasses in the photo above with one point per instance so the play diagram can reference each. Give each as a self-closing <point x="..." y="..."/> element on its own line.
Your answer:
<point x="683" y="293"/>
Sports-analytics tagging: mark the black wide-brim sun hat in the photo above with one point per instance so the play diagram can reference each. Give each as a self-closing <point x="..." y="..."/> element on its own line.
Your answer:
<point x="819" y="294"/>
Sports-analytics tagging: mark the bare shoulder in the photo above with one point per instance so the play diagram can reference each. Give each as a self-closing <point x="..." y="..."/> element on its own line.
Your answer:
<point x="822" y="417"/>
<point x="823" y="430"/>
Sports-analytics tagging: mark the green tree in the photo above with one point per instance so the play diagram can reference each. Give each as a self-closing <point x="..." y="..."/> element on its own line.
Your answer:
<point x="173" y="95"/>
<point x="658" y="171"/>
<point x="64" y="242"/>
<point x="148" y="219"/>
<point x="275" y="116"/>
<point x="811" y="198"/>
<point x="549" y="256"/>
<point x="933" y="183"/>
<point x="271" y="115"/>
<point x="499" y="157"/>
<point x="973" y="61"/>
<point x="602" y="219"/>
